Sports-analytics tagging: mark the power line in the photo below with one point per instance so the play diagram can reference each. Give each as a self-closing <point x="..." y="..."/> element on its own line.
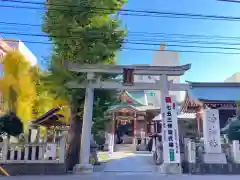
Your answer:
<point x="232" y="1"/>
<point x="185" y="51"/>
<point x="120" y="13"/>
<point x="145" y="33"/>
<point x="149" y="34"/>
<point x="141" y="40"/>
<point x="144" y="49"/>
<point x="129" y="42"/>
<point x="189" y="46"/>
<point x="132" y="41"/>
<point x="132" y="12"/>
<point x="124" y="10"/>
<point x="187" y="42"/>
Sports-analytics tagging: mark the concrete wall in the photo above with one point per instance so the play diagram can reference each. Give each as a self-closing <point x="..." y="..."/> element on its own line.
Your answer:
<point x="34" y="169"/>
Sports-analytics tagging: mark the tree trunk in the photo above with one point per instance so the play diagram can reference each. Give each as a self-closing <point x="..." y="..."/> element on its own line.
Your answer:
<point x="12" y="100"/>
<point x="74" y="139"/>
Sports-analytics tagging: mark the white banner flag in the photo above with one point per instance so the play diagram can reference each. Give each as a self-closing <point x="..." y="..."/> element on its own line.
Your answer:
<point x="171" y="148"/>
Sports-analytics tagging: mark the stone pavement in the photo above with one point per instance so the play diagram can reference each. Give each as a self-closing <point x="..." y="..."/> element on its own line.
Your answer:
<point x="130" y="162"/>
<point x="130" y="166"/>
<point x="125" y="176"/>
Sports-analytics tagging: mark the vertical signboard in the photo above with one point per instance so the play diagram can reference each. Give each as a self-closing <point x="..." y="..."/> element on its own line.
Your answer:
<point x="171" y="148"/>
<point x="211" y="131"/>
<point x="51" y="150"/>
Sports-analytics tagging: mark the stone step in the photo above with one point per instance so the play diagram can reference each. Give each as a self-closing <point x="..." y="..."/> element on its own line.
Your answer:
<point x="125" y="148"/>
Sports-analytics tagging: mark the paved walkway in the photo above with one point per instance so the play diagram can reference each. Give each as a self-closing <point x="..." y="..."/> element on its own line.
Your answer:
<point x="130" y="162"/>
<point x="137" y="166"/>
<point x="114" y="176"/>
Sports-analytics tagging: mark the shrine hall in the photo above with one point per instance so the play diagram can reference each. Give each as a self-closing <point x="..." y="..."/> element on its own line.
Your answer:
<point x="135" y="117"/>
<point x="222" y="96"/>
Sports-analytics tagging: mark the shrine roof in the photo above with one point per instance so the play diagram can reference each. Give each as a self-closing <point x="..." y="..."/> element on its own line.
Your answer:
<point x="214" y="91"/>
<point x="135" y="100"/>
<point x="50" y="118"/>
<point x="138" y="96"/>
<point x="139" y="108"/>
<point x="211" y="92"/>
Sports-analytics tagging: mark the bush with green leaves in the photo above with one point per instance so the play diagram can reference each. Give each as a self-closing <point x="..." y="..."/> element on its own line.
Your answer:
<point x="11" y="124"/>
<point x="234" y="131"/>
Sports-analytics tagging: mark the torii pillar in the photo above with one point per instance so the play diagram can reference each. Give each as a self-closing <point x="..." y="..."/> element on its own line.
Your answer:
<point x="85" y="166"/>
<point x="170" y="135"/>
<point x="170" y="138"/>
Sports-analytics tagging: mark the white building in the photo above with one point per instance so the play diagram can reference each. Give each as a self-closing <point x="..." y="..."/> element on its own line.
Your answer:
<point x="234" y="78"/>
<point x="9" y="45"/>
<point x="160" y="58"/>
<point x="6" y="45"/>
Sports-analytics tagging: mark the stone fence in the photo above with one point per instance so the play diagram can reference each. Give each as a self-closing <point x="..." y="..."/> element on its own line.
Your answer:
<point x="194" y="163"/>
<point x="33" y="158"/>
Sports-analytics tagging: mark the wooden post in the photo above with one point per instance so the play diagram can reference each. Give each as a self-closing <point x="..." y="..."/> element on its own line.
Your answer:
<point x="199" y="118"/>
<point x="135" y="128"/>
<point x="112" y="137"/>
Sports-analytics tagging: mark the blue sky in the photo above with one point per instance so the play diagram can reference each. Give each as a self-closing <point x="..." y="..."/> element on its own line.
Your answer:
<point x="205" y="67"/>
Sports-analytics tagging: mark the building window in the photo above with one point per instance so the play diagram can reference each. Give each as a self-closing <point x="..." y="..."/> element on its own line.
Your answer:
<point x="140" y="77"/>
<point x="149" y="77"/>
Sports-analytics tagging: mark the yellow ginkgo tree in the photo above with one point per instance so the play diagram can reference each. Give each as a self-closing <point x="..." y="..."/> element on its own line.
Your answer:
<point x="16" y="85"/>
<point x="24" y="90"/>
<point x="46" y="98"/>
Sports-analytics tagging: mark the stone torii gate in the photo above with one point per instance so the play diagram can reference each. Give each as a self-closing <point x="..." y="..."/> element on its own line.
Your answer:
<point x="169" y="118"/>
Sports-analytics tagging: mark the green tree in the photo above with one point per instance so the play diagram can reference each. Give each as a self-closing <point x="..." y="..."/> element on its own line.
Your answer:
<point x="83" y="32"/>
<point x="233" y="131"/>
<point x="11" y="124"/>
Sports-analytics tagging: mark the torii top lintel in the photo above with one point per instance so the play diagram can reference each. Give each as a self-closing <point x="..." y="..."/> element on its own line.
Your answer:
<point x="138" y="69"/>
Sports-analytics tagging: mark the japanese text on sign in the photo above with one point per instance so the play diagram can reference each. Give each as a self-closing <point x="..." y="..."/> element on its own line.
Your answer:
<point x="170" y="128"/>
<point x="211" y="131"/>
